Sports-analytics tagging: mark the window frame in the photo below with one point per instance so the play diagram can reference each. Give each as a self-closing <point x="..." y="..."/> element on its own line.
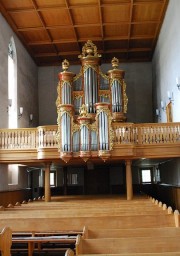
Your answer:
<point x="151" y="175"/>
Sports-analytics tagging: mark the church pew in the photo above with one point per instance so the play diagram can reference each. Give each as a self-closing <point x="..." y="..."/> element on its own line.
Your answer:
<point x="5" y="241"/>
<point x="69" y="252"/>
<point x="136" y="232"/>
<point x="66" y="223"/>
<point x="58" y="241"/>
<point x="136" y="254"/>
<point x="129" y="245"/>
<point x="55" y="243"/>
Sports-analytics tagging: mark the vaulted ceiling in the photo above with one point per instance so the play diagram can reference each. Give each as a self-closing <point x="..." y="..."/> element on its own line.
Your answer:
<point x="52" y="30"/>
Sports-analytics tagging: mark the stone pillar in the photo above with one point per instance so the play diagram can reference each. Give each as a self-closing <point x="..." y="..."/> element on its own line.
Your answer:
<point x="129" y="187"/>
<point x="47" y="183"/>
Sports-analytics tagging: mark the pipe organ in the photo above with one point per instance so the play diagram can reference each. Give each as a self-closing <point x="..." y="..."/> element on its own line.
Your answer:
<point x="87" y="104"/>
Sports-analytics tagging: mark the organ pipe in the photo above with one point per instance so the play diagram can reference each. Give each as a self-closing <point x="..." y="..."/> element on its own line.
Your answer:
<point x="87" y="103"/>
<point x="118" y="95"/>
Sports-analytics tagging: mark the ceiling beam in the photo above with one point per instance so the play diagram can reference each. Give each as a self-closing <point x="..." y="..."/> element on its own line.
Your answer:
<point x="130" y="25"/>
<point x="85" y="39"/>
<point x="40" y="55"/>
<point x="72" y="23"/>
<point x="44" y="24"/>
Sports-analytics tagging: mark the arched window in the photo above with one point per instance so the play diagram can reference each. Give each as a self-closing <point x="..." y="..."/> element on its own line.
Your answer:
<point x="12" y="84"/>
<point x="12" y="104"/>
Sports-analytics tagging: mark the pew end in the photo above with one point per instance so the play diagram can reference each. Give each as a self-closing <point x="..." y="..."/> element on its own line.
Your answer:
<point x="5" y="241"/>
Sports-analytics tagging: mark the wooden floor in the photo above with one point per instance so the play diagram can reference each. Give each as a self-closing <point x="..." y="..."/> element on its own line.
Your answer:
<point x="114" y="226"/>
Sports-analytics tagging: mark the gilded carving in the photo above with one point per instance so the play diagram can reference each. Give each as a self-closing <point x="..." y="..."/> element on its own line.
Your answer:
<point x="115" y="63"/>
<point x="83" y="111"/>
<point x="77" y="95"/>
<point x="104" y="93"/>
<point x="65" y="65"/>
<point x="58" y="97"/>
<point x="78" y="76"/>
<point x="125" y="97"/>
<point x="93" y="127"/>
<point x="66" y="81"/>
<point x="89" y="49"/>
<point x="75" y="127"/>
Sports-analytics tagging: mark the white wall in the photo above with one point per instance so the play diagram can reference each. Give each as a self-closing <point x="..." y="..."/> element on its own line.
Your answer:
<point x="166" y="61"/>
<point x="138" y="78"/>
<point x="27" y="94"/>
<point x="27" y="82"/>
<point x="166" y="67"/>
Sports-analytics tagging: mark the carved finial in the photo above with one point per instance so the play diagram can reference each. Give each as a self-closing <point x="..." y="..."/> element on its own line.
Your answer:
<point x="65" y="65"/>
<point x="115" y="63"/>
<point x="89" y="49"/>
<point x="83" y="110"/>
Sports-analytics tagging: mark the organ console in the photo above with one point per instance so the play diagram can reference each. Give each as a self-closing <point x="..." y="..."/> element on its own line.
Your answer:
<point x="87" y="104"/>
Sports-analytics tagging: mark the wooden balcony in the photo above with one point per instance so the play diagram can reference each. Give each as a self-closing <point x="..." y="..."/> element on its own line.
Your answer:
<point x="131" y="141"/>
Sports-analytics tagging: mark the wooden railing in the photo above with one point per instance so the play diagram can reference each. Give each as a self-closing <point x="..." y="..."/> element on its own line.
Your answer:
<point x="28" y="138"/>
<point x="124" y="133"/>
<point x="149" y="133"/>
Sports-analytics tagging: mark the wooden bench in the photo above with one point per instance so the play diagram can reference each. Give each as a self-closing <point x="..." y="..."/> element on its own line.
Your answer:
<point x="129" y="245"/>
<point x="136" y="254"/>
<point x="32" y="241"/>
<point x="135" y="232"/>
<point x="132" y="219"/>
<point x="42" y="241"/>
<point x="73" y="223"/>
<point x="5" y="241"/>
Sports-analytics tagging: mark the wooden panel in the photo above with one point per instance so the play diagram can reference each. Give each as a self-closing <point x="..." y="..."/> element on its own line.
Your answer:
<point x="136" y="55"/>
<point x="32" y="36"/>
<point x="116" y="31"/>
<point x="84" y="2"/>
<point x="145" y="1"/>
<point x="148" y="12"/>
<point x="143" y="30"/>
<point x="69" y="47"/>
<point x="18" y="4"/>
<point x="45" y="48"/>
<point x="85" y="15"/>
<point x="62" y="33"/>
<point x="115" y="1"/>
<point x="47" y="3"/>
<point x="118" y="44"/>
<point x="11" y="197"/>
<point x="139" y="43"/>
<point x="54" y="17"/>
<point x="26" y="19"/>
<point x="81" y="20"/>
<point x="117" y="13"/>
<point x="84" y="32"/>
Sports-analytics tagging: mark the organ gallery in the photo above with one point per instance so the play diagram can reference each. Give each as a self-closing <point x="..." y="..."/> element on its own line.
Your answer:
<point x="87" y="104"/>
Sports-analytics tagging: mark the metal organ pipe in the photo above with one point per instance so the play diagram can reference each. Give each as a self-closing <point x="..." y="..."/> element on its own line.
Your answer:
<point x="103" y="131"/>
<point x="93" y="140"/>
<point x="84" y="138"/>
<point x="116" y="96"/>
<point x="90" y="89"/>
<point x="66" y="93"/>
<point x="76" y="141"/>
<point x="65" y="132"/>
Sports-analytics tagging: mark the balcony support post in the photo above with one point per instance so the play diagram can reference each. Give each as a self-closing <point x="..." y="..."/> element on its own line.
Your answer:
<point x="47" y="183"/>
<point x="129" y="187"/>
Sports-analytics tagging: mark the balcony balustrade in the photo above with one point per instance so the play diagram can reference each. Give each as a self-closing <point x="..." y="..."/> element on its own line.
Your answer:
<point x="129" y="141"/>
